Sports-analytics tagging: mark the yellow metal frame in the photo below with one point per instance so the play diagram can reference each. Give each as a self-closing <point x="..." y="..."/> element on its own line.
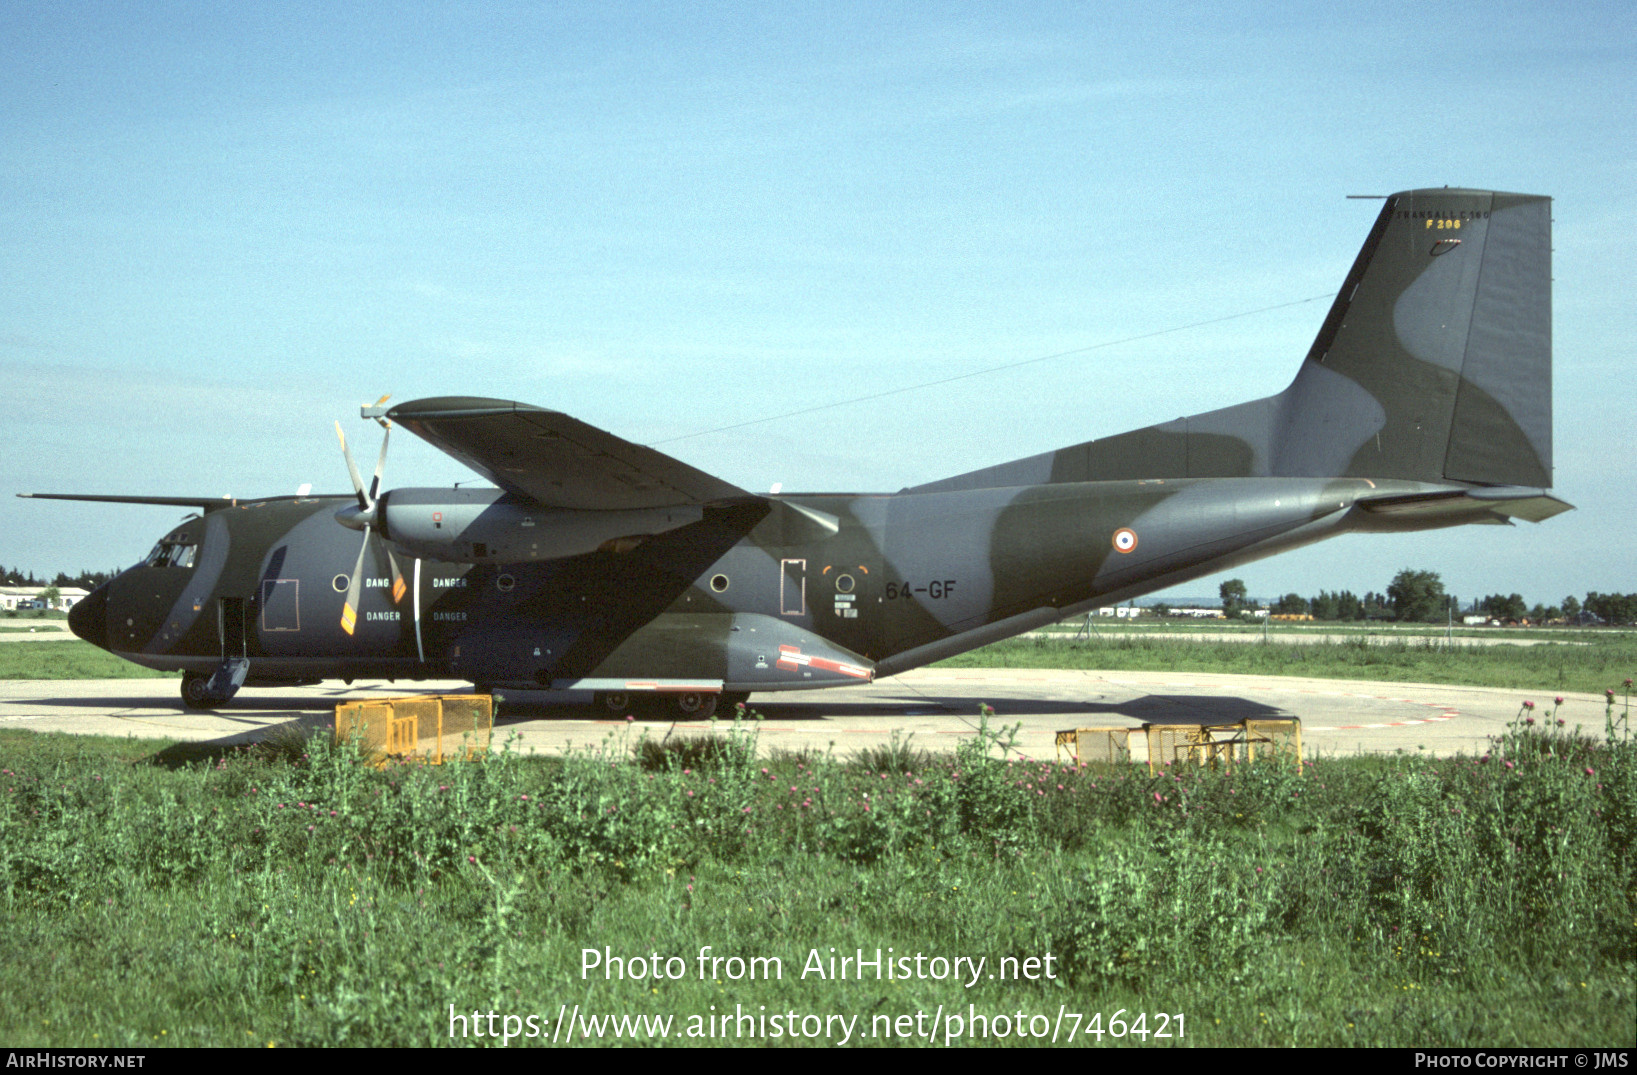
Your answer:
<point x="1216" y="744"/>
<point x="1096" y="744"/>
<point x="426" y="727"/>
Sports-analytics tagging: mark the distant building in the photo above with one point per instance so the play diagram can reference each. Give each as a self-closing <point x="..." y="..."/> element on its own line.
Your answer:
<point x="19" y="598"/>
<point x="1198" y="613"/>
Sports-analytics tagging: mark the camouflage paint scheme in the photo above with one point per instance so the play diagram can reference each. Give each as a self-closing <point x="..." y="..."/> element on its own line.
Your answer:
<point x="598" y="564"/>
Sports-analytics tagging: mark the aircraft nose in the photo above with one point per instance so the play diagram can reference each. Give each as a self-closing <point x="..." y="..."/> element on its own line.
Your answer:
<point x="89" y="617"/>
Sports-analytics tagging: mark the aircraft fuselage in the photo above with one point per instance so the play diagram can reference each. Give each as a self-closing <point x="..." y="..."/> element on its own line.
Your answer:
<point x="880" y="583"/>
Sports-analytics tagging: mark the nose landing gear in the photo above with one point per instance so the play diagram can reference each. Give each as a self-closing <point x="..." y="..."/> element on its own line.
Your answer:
<point x="202" y="693"/>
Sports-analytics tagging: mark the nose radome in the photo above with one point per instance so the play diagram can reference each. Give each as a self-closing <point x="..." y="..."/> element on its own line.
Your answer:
<point x="89" y="617"/>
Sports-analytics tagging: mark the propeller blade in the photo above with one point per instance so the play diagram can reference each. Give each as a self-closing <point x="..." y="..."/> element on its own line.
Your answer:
<point x="398" y="587"/>
<point x="380" y="465"/>
<point x="365" y="519"/>
<point x="352" y="469"/>
<point x="355" y="590"/>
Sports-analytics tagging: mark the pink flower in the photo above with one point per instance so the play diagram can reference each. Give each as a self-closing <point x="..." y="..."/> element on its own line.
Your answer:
<point x="1528" y="705"/>
<point x="1590" y="771"/>
<point x="1558" y="700"/>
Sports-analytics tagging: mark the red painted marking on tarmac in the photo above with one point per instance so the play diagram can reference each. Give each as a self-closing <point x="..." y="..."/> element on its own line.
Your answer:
<point x="1394" y="724"/>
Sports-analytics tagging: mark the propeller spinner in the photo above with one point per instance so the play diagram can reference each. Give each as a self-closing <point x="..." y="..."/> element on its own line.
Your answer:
<point x="366" y="517"/>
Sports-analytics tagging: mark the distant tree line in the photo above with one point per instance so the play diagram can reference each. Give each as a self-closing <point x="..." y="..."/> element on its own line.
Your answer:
<point x="1419" y="597"/>
<point x="1612" y="607"/>
<point x="85" y="580"/>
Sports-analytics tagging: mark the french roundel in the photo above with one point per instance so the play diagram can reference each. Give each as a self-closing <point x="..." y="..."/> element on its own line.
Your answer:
<point x="1125" y="539"/>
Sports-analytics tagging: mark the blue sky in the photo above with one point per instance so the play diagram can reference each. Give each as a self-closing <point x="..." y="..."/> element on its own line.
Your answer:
<point x="222" y="228"/>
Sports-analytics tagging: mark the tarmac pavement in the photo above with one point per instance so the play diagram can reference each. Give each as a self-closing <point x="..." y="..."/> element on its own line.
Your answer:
<point x="936" y="706"/>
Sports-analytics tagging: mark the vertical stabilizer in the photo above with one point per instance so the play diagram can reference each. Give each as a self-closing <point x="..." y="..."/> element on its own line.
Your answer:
<point x="1445" y="324"/>
<point x="1434" y="364"/>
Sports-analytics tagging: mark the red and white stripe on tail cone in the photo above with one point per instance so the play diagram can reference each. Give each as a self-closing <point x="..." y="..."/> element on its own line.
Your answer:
<point x="791" y="658"/>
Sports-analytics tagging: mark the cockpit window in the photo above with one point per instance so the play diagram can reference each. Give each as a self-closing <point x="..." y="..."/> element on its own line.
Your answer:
<point x="172" y="552"/>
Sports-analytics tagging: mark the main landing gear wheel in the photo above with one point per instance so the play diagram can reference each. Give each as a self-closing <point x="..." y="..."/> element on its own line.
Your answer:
<point x="682" y="705"/>
<point x="196" y="692"/>
<point x="693" y="705"/>
<point x="614" y="703"/>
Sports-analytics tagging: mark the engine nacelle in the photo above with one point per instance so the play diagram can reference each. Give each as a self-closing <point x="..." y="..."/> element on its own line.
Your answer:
<point x="488" y="526"/>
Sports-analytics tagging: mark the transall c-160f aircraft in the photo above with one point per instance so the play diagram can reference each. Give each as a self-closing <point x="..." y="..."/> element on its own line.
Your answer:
<point x="601" y="565"/>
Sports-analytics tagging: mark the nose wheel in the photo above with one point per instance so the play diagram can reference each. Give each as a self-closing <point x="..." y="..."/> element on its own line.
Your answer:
<point x="196" y="692"/>
<point x="204" y="692"/>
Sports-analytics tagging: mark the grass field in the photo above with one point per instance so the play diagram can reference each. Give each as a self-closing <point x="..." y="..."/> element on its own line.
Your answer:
<point x="294" y="896"/>
<point x="68" y="659"/>
<point x="1592" y="662"/>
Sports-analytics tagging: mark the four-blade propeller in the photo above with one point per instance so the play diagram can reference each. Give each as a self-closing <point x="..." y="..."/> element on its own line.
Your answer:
<point x="366" y="517"/>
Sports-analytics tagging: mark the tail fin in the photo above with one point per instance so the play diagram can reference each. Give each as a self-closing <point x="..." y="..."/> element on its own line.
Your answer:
<point x="1434" y="364"/>
<point x="1445" y="325"/>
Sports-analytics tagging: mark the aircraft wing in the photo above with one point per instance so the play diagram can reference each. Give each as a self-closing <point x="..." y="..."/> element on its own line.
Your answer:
<point x="553" y="459"/>
<point x="202" y="504"/>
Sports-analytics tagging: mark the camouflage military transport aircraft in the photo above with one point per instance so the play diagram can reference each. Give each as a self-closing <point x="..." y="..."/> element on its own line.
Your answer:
<point x="606" y="566"/>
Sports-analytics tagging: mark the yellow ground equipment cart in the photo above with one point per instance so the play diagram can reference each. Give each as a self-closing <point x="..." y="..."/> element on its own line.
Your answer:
<point x="1096" y="744"/>
<point x="1216" y="744"/>
<point x="428" y="727"/>
<point x="1194" y="744"/>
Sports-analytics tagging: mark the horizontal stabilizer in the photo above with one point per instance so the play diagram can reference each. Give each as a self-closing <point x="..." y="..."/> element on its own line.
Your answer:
<point x="1503" y="503"/>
